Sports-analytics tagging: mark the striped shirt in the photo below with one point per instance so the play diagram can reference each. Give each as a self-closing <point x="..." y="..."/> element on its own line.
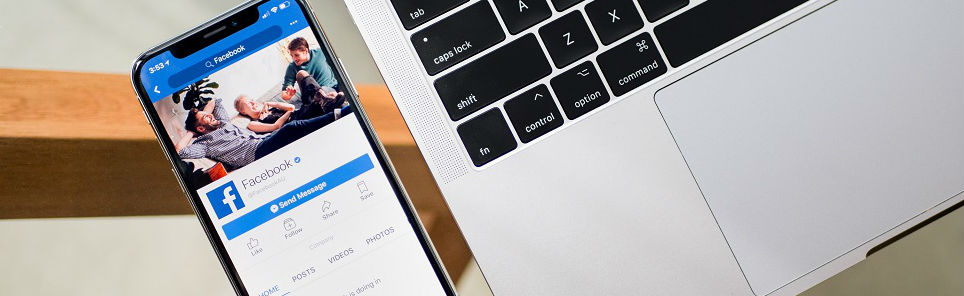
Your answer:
<point x="229" y="144"/>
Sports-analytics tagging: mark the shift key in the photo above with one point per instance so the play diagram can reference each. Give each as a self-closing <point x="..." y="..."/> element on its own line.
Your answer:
<point x="457" y="37"/>
<point x="492" y="76"/>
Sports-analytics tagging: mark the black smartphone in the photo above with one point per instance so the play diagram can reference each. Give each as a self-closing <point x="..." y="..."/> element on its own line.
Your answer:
<point x="265" y="134"/>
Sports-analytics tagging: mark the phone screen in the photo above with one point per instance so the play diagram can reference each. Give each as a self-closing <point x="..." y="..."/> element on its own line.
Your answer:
<point x="266" y="135"/>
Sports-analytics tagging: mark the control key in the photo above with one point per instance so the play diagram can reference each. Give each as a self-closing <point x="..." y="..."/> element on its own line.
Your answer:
<point x="533" y="113"/>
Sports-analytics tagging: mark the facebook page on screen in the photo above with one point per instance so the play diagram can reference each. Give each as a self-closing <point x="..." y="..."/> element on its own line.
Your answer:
<point x="266" y="138"/>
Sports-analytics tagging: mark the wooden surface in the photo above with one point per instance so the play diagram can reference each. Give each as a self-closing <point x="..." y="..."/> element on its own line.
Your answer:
<point x="77" y="145"/>
<point x="70" y="105"/>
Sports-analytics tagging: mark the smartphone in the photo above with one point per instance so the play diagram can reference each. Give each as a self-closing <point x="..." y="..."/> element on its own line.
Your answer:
<point x="266" y="135"/>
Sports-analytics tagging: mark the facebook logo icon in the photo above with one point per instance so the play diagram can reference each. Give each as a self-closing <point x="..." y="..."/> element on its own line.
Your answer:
<point x="225" y="199"/>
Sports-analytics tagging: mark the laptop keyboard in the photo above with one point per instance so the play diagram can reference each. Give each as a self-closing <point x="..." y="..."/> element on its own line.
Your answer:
<point x="542" y="45"/>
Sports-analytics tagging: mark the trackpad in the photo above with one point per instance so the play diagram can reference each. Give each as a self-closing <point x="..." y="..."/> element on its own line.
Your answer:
<point x="825" y="134"/>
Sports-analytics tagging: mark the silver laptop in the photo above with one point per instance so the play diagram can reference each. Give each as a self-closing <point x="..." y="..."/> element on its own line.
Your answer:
<point x="678" y="147"/>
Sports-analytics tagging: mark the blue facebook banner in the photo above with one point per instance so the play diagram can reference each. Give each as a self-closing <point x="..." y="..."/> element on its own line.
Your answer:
<point x="297" y="197"/>
<point x="225" y="200"/>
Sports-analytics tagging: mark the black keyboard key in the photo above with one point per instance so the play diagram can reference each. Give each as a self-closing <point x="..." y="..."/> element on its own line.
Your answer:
<point x="657" y="9"/>
<point x="579" y="90"/>
<point x="712" y="23"/>
<point x="533" y="113"/>
<point x="522" y="14"/>
<point x="457" y="37"/>
<point x="416" y="12"/>
<point x="563" y="4"/>
<point x="568" y="39"/>
<point x="613" y="19"/>
<point x="631" y="64"/>
<point x="486" y="137"/>
<point x="492" y="76"/>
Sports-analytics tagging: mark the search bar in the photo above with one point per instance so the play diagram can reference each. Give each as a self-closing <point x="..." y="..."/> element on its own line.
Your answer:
<point x="225" y="57"/>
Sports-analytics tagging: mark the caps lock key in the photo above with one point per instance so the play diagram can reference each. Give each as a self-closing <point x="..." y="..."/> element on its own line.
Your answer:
<point x="457" y="37"/>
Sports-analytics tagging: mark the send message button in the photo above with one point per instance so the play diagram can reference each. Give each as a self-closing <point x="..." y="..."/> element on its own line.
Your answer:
<point x="298" y="196"/>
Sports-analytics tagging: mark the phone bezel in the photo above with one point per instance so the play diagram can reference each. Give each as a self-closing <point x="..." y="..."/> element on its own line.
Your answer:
<point x="351" y="94"/>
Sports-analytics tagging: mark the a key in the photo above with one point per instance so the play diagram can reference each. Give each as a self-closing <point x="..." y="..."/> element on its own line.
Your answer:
<point x="563" y="4"/>
<point x="613" y="19"/>
<point x="579" y="90"/>
<point x="486" y="137"/>
<point x="533" y="113"/>
<point x="416" y="12"/>
<point x="519" y="15"/>
<point x="492" y="76"/>
<point x="631" y="64"/>
<point x="712" y="23"/>
<point x="457" y="37"/>
<point x="568" y="39"/>
<point x="657" y="9"/>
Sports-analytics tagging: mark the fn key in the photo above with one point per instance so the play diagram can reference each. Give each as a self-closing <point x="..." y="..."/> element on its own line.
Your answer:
<point x="486" y="137"/>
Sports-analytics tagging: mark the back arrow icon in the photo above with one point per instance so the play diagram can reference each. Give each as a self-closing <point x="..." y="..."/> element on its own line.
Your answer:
<point x="155" y="89"/>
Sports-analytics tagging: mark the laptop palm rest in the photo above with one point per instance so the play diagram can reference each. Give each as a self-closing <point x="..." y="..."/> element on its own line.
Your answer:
<point x="827" y="133"/>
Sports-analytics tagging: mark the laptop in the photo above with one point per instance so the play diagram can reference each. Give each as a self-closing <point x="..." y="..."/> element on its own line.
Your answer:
<point x="742" y="147"/>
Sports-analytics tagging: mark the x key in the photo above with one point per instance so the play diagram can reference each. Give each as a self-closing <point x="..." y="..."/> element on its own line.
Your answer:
<point x="613" y="14"/>
<point x="613" y="19"/>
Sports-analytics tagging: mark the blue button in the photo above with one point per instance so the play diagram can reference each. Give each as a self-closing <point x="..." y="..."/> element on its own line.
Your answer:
<point x="297" y="197"/>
